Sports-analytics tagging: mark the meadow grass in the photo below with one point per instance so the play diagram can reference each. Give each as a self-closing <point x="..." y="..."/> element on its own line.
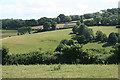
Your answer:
<point x="66" y="71"/>
<point x="7" y="33"/>
<point x="49" y="40"/>
<point x="105" y="29"/>
<point x="31" y="42"/>
<point x="97" y="45"/>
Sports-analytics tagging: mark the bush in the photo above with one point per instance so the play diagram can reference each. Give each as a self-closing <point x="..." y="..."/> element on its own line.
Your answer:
<point x="4" y="51"/>
<point x="112" y="39"/>
<point x="74" y="29"/>
<point x="101" y="36"/>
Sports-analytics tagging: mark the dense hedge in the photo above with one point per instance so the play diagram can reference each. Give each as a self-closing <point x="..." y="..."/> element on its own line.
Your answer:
<point x="69" y="54"/>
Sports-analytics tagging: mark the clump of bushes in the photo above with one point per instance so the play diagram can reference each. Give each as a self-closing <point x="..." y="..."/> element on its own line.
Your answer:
<point x="67" y="52"/>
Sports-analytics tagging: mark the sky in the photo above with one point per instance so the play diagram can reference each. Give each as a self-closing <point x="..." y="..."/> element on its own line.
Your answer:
<point x="35" y="9"/>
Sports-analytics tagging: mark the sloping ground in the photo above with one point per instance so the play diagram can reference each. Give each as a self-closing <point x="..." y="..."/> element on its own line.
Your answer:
<point x="49" y="40"/>
<point x="105" y="29"/>
<point x="8" y="33"/>
<point x="30" y="42"/>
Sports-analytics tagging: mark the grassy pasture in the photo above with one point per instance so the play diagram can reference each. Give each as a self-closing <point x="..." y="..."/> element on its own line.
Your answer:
<point x="30" y="42"/>
<point x="49" y="40"/>
<point x="105" y="29"/>
<point x="97" y="45"/>
<point x="66" y="71"/>
<point x="7" y="33"/>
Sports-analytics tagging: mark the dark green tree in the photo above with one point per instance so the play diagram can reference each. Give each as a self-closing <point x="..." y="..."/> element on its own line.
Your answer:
<point x="46" y="26"/>
<point x="53" y="25"/>
<point x="74" y="29"/>
<point x="112" y="39"/>
<point x="78" y="22"/>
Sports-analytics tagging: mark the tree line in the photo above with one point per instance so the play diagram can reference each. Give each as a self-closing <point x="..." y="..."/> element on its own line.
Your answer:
<point x="107" y="17"/>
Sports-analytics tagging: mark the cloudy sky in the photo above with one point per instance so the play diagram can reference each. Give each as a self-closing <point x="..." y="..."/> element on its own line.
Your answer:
<point x="28" y="9"/>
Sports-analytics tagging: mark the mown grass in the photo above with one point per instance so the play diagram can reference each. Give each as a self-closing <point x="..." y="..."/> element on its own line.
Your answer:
<point x="66" y="71"/>
<point x="50" y="40"/>
<point x="8" y="33"/>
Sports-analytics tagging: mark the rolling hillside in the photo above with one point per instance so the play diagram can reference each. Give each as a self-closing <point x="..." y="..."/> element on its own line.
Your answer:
<point x="48" y="40"/>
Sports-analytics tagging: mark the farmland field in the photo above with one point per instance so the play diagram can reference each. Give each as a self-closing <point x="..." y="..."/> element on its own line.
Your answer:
<point x="48" y="40"/>
<point x="66" y="71"/>
<point x="30" y="42"/>
<point x="7" y="33"/>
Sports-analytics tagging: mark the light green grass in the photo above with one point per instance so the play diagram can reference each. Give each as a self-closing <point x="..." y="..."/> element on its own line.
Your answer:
<point x="105" y="29"/>
<point x="97" y="45"/>
<point x="66" y="71"/>
<point x="49" y="40"/>
<point x="7" y="33"/>
<point x="30" y="42"/>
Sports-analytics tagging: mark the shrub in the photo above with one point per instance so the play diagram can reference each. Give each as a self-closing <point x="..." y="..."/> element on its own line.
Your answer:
<point x="112" y="39"/>
<point x="101" y="36"/>
<point x="4" y="51"/>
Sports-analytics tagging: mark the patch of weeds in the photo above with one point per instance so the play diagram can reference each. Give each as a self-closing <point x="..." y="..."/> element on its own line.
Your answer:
<point x="56" y="67"/>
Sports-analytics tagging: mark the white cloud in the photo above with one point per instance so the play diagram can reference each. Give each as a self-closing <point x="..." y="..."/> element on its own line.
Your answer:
<point x="51" y="8"/>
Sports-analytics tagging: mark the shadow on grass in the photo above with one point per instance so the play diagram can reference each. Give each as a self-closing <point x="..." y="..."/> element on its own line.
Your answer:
<point x="107" y="44"/>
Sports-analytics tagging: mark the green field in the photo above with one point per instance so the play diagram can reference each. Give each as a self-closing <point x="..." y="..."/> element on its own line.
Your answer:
<point x="97" y="45"/>
<point x="7" y="33"/>
<point x="48" y="40"/>
<point x="66" y="71"/>
<point x="30" y="42"/>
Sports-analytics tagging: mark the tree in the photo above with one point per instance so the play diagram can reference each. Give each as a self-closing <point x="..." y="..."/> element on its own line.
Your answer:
<point x="104" y="38"/>
<point x="53" y="25"/>
<point x="83" y="30"/>
<point x="99" y="36"/>
<point x="58" y="20"/>
<point x="63" y="43"/>
<point x="77" y="17"/>
<point x="67" y="19"/>
<point x="112" y="39"/>
<point x="46" y="26"/>
<point x="119" y="39"/>
<point x="74" y="29"/>
<point x="81" y="39"/>
<point x="62" y="18"/>
<point x="98" y="20"/>
<point x="24" y="30"/>
<point x="78" y="22"/>
<point x="4" y="51"/>
<point x="31" y="22"/>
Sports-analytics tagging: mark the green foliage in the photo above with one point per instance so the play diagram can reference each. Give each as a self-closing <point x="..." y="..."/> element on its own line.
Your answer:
<point x="74" y="29"/>
<point x="81" y="39"/>
<point x="5" y="52"/>
<point x="63" y="18"/>
<point x="71" y="53"/>
<point x="63" y="43"/>
<point x="53" y="25"/>
<point x="90" y="23"/>
<point x="46" y="26"/>
<point x="119" y="39"/>
<point x="97" y="56"/>
<point x="24" y="30"/>
<point x="101" y="36"/>
<point x="112" y="39"/>
<point x="85" y="34"/>
<point x="78" y="23"/>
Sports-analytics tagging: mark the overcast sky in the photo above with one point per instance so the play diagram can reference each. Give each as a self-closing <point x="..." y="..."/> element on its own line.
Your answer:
<point x="34" y="9"/>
